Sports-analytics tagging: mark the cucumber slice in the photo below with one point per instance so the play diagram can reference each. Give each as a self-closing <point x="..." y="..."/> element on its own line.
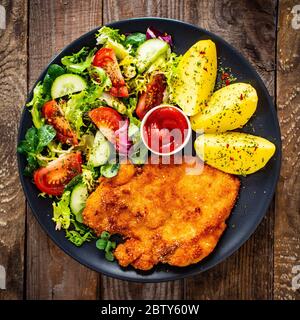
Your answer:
<point x="110" y="170"/>
<point x="119" y="50"/>
<point x="78" y="199"/>
<point x="66" y="84"/>
<point x="114" y="102"/>
<point x="100" y="151"/>
<point x="161" y="60"/>
<point x="148" y="52"/>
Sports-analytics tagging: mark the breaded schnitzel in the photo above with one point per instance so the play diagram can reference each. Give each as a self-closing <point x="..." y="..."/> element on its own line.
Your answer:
<point x="163" y="214"/>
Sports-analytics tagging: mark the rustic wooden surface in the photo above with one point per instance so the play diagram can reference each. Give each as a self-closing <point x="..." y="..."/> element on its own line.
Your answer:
<point x="13" y="87"/>
<point x="262" y="30"/>
<point x="287" y="222"/>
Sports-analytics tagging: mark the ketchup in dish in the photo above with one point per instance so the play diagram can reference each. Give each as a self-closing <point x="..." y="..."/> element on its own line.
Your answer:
<point x="165" y="129"/>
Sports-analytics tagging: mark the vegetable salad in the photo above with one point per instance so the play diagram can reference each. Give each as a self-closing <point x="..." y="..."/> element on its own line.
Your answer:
<point x="86" y="115"/>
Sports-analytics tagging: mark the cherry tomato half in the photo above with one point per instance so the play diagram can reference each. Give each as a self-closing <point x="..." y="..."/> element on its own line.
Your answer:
<point x="58" y="173"/>
<point x="153" y="96"/>
<point x="106" y="59"/>
<point x="107" y="120"/>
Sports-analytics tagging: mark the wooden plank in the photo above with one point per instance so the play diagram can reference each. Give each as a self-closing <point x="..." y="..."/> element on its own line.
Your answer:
<point x="13" y="84"/>
<point x="123" y="290"/>
<point x="51" y="274"/>
<point x="113" y="288"/>
<point x="250" y="27"/>
<point x="287" y="223"/>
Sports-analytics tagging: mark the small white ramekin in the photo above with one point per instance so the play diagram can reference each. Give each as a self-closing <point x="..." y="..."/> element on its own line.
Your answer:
<point x="186" y="140"/>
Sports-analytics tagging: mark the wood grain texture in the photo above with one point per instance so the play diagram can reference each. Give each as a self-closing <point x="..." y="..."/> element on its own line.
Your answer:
<point x="51" y="274"/>
<point x="13" y="84"/>
<point x="287" y="222"/>
<point x="250" y="26"/>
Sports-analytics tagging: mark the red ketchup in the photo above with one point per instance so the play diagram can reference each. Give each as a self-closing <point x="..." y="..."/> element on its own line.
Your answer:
<point x="165" y="129"/>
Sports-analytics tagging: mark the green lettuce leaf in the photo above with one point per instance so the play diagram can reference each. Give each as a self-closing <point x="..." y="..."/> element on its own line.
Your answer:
<point x="106" y="33"/>
<point x="80" y="103"/>
<point x="74" y="111"/>
<point x="80" y="61"/>
<point x="80" y="233"/>
<point x="33" y="144"/>
<point x="62" y="212"/>
<point x="36" y="104"/>
<point x="169" y="69"/>
<point x="135" y="39"/>
<point x="89" y="176"/>
<point x="76" y="238"/>
<point x="76" y="232"/>
<point x="92" y="96"/>
<point x="45" y="134"/>
<point x="100" y="77"/>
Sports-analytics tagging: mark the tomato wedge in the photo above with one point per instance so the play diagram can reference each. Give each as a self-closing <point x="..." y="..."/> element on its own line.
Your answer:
<point x="119" y="92"/>
<point x="103" y="57"/>
<point x="153" y="96"/>
<point x="58" y="173"/>
<point x="54" y="116"/>
<point x="106" y="59"/>
<point x="107" y="120"/>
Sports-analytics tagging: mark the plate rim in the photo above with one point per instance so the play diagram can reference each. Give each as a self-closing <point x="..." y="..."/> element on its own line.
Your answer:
<point x="266" y="204"/>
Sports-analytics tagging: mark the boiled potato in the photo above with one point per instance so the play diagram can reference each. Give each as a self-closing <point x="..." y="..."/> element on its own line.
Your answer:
<point x="228" y="108"/>
<point x="234" y="152"/>
<point x="195" y="77"/>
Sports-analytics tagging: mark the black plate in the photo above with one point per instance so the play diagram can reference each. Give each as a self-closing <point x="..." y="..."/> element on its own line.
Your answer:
<point x="256" y="190"/>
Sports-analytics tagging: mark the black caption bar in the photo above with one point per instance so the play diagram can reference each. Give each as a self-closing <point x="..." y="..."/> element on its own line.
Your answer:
<point x="134" y="309"/>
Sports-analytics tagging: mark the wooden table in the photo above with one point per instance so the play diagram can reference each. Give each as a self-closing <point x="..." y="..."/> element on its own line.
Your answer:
<point x="267" y="33"/>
